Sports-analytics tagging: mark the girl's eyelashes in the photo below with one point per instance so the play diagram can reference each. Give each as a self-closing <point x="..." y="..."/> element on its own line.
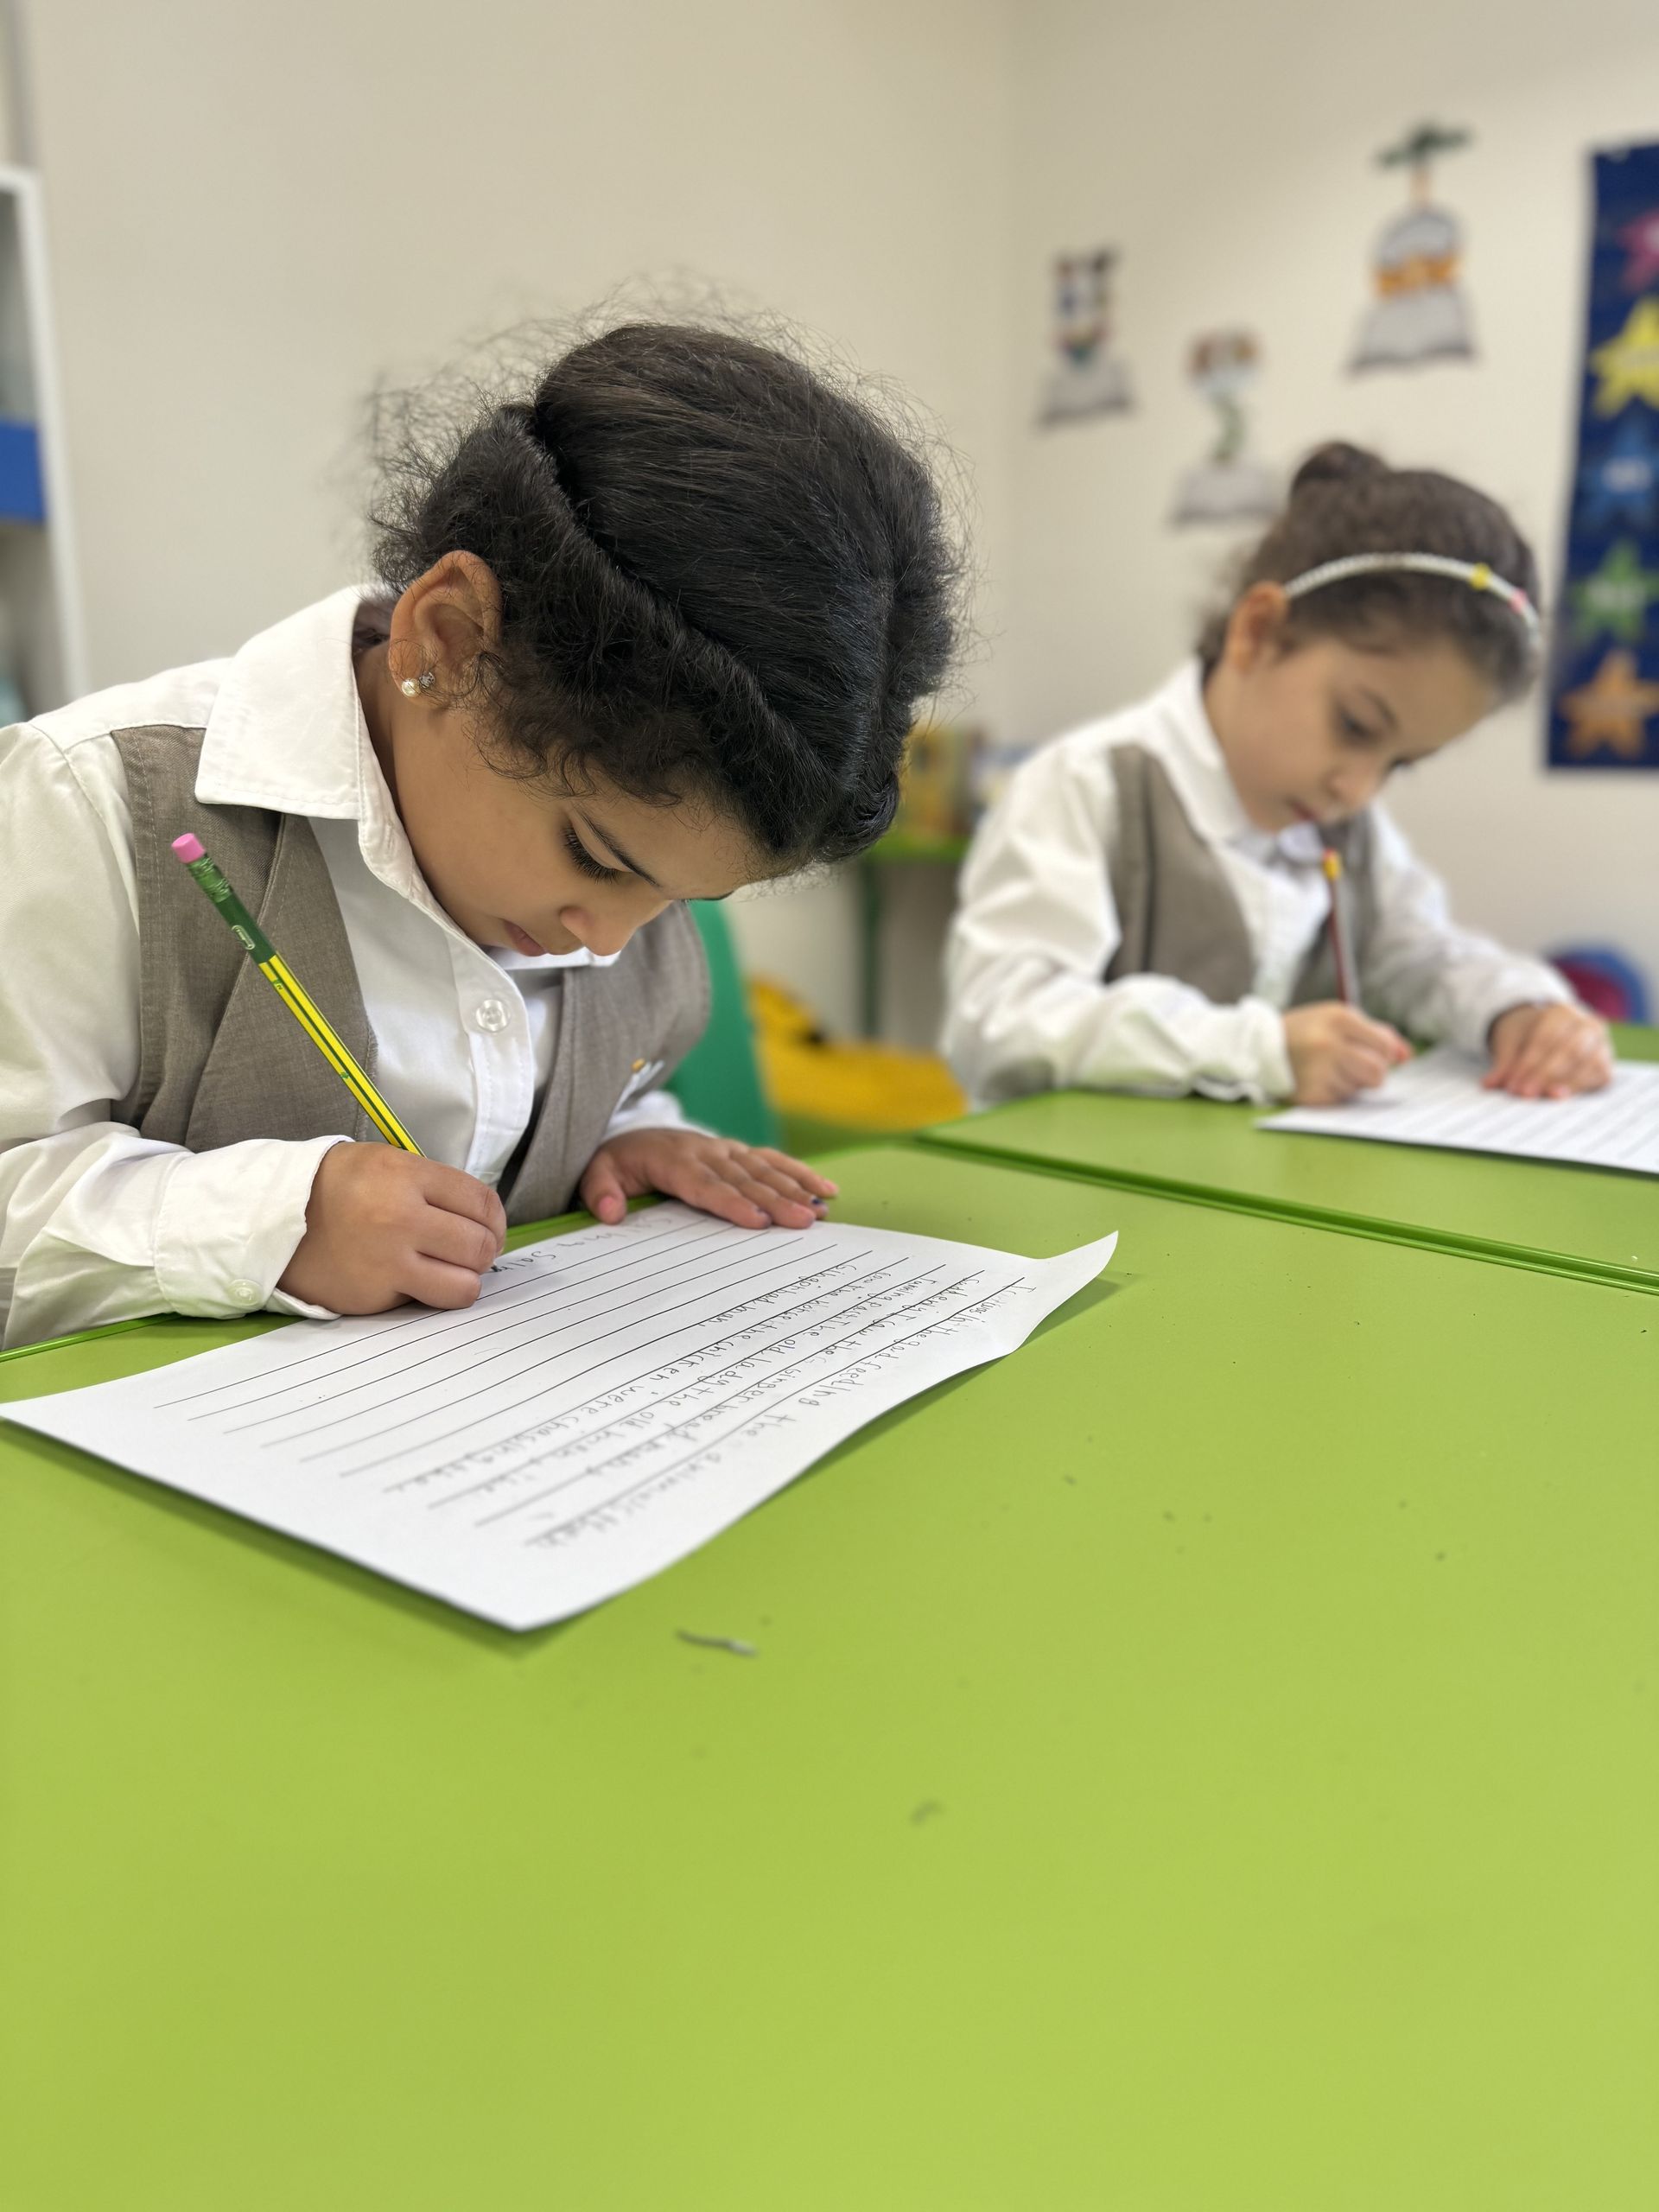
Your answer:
<point x="585" y="861"/>
<point x="1352" y="731"/>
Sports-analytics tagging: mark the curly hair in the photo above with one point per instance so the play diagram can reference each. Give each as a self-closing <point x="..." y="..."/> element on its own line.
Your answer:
<point x="721" y="578"/>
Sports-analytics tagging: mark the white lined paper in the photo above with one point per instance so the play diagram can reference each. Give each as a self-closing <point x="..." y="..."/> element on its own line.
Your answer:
<point x="1438" y="1100"/>
<point x="615" y="1398"/>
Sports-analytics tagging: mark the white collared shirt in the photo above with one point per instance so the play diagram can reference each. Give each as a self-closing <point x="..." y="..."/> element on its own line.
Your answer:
<point x="98" y="1224"/>
<point x="1026" y="1005"/>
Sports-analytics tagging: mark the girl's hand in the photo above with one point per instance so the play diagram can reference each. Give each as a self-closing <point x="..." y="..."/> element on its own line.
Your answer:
<point x="383" y="1225"/>
<point x="1548" y="1051"/>
<point x="1336" y="1050"/>
<point x="751" y="1185"/>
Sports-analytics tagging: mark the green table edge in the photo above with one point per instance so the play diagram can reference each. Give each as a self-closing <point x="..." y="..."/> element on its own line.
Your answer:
<point x="1633" y="1042"/>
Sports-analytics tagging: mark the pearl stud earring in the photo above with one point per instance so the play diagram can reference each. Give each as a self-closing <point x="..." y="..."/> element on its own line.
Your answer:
<point x="412" y="688"/>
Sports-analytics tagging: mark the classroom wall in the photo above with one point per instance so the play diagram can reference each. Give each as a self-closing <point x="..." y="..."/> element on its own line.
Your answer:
<point x="1228" y="154"/>
<point x="256" y="213"/>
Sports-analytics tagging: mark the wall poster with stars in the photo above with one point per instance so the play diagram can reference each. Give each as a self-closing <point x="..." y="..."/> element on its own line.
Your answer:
<point x="1605" y="677"/>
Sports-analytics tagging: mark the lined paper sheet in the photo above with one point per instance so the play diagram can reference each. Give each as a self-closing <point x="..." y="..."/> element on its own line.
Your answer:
<point x="1438" y="1100"/>
<point x="615" y="1398"/>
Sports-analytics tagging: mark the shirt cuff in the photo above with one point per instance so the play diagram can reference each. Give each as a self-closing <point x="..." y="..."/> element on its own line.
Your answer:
<point x="651" y="1110"/>
<point x="228" y="1224"/>
<point x="1253" y="1061"/>
<point x="1273" y="1072"/>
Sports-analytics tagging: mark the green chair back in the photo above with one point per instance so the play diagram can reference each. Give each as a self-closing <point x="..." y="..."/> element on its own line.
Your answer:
<point x="718" y="1083"/>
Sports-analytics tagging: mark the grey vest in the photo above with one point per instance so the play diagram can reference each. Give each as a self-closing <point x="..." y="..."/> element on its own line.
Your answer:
<point x="1178" y="912"/>
<point x="220" y="1058"/>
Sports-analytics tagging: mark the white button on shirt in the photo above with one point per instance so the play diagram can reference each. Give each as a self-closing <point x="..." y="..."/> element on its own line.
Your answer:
<point x="1028" y="1006"/>
<point x="101" y="1224"/>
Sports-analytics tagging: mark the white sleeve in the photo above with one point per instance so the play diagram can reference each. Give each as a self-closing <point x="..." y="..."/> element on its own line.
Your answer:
<point x="1422" y="972"/>
<point x="1027" y="1008"/>
<point x="651" y="1110"/>
<point x="98" y="1224"/>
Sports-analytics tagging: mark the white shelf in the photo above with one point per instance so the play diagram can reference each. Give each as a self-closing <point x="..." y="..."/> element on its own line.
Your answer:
<point x="39" y="581"/>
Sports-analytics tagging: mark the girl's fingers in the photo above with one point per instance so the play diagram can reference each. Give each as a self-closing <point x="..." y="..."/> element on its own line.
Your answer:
<point x="1559" y="1037"/>
<point x="787" y="1187"/>
<point x="706" y="1187"/>
<point x="456" y="1193"/>
<point x="1588" y="1068"/>
<point x="820" y="1185"/>
<point x="434" y="1282"/>
<point x="1362" y="1069"/>
<point x="1557" y="1067"/>
<point x="1513" y="1036"/>
<point x="1531" y="1069"/>
<point x="457" y="1242"/>
<point x="777" y="1205"/>
<point x="1355" y="1028"/>
<point x="1517" y="1074"/>
<point x="1540" y="1052"/>
<point x="600" y="1189"/>
<point x="1332" y="1086"/>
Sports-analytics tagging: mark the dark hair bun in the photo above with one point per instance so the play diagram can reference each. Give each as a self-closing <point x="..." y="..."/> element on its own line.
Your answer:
<point x="1337" y="463"/>
<point x="723" y="572"/>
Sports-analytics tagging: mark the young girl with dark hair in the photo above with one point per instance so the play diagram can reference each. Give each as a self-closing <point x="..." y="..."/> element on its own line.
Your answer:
<point x="652" y="632"/>
<point x="1146" y="908"/>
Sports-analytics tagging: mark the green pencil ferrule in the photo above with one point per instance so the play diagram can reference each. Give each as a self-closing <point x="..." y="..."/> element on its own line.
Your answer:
<point x="252" y="938"/>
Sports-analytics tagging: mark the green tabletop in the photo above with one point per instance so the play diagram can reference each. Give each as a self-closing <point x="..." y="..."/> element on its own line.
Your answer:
<point x="1595" y="1224"/>
<point x="1204" y="1764"/>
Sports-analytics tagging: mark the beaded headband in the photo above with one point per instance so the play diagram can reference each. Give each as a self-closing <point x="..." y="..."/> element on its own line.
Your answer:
<point x="1476" y="572"/>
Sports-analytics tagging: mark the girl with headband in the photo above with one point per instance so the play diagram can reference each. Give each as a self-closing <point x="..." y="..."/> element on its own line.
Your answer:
<point x="1154" y="904"/>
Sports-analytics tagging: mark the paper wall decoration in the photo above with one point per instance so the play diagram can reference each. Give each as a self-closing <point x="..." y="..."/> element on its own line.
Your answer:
<point x="1087" y="377"/>
<point x="1604" y="689"/>
<point x="1229" y="485"/>
<point x="1420" y="313"/>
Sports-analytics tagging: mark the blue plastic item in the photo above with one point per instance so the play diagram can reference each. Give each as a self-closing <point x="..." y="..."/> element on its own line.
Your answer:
<point x="1608" y="981"/>
<point x="22" y="496"/>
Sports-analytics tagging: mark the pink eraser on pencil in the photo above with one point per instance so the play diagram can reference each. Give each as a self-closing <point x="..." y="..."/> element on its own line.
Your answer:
<point x="189" y="849"/>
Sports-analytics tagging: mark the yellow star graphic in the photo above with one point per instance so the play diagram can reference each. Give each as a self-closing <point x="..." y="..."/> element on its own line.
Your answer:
<point x="1629" y="364"/>
<point x="1612" y="709"/>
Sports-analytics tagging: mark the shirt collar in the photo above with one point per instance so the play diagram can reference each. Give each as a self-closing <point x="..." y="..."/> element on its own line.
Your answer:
<point x="287" y="731"/>
<point x="1199" y="768"/>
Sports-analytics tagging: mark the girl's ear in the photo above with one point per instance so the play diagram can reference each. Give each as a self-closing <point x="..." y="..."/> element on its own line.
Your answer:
<point x="442" y="622"/>
<point x="1257" y="629"/>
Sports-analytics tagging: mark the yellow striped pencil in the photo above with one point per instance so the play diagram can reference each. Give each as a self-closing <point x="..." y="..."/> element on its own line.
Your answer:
<point x="275" y="969"/>
<point x="1332" y="864"/>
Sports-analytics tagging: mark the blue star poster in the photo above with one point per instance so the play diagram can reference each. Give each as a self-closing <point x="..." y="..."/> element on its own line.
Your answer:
<point x="1604" y="707"/>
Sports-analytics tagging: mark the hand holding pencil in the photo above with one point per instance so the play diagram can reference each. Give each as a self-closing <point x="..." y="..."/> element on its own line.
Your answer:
<point x="1335" y="1051"/>
<point x="1335" y="1048"/>
<point x="383" y="1224"/>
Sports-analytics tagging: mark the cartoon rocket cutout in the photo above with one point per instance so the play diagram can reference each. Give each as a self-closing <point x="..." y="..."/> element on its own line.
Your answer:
<point x="1420" y="313"/>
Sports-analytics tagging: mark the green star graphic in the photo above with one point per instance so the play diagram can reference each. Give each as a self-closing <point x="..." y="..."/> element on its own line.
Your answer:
<point x="1613" y="601"/>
